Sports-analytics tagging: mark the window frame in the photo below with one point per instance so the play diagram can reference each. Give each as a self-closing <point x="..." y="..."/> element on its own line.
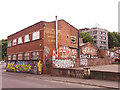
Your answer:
<point x="36" y="55"/>
<point x="14" y="57"/>
<point x="28" y="38"/>
<point x="19" y="40"/>
<point x="9" y="58"/>
<point x="35" y="35"/>
<point x="72" y="39"/>
<point x="14" y="42"/>
<point x="9" y="43"/>
<point x="26" y="57"/>
<point x="20" y="56"/>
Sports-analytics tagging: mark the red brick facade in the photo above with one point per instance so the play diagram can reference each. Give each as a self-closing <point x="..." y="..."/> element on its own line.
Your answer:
<point x="45" y="45"/>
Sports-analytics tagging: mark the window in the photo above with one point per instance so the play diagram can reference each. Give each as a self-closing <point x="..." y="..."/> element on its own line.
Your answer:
<point x="14" y="42"/>
<point x="95" y="42"/>
<point x="14" y="57"/>
<point x="104" y="33"/>
<point x="104" y="42"/>
<point x="73" y="39"/>
<point x="26" y="56"/>
<point x="27" y="38"/>
<point x="19" y="40"/>
<point x="100" y="37"/>
<point x="35" y="55"/>
<point x="95" y="32"/>
<point x="100" y="32"/>
<point x="9" y="57"/>
<point x="19" y="56"/>
<point x="9" y="43"/>
<point x="36" y="35"/>
<point x="95" y="37"/>
<point x="100" y="42"/>
<point x="104" y="38"/>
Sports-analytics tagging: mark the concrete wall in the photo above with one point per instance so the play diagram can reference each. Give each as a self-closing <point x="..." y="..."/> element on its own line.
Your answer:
<point x="101" y="75"/>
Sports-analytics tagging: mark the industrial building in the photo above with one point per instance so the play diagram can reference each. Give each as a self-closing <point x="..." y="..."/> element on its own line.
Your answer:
<point x="42" y="42"/>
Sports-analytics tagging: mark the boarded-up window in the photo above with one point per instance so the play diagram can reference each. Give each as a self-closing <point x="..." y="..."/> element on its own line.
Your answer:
<point x="35" y="55"/>
<point x="20" y="56"/>
<point x="36" y="35"/>
<point x="14" y="57"/>
<point x="26" y="56"/>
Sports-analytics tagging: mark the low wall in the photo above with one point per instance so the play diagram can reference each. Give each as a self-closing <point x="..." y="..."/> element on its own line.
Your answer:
<point x="104" y="75"/>
<point x="29" y="66"/>
<point x="101" y="75"/>
<point x="67" y="72"/>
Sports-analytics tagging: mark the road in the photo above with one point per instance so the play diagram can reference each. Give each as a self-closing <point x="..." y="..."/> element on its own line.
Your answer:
<point x="13" y="80"/>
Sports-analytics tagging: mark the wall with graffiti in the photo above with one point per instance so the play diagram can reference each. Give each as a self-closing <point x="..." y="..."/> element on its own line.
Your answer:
<point x="64" y="57"/>
<point x="31" y="66"/>
<point x="87" y="52"/>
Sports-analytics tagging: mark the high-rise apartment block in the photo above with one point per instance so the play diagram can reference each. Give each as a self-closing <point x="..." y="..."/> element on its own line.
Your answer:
<point x="99" y="35"/>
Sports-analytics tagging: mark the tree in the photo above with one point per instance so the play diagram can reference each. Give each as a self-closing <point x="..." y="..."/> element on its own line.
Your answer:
<point x="4" y="49"/>
<point x="113" y="40"/>
<point x="86" y="37"/>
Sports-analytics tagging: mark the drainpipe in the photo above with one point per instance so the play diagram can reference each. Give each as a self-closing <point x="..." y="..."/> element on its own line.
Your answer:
<point x="56" y="33"/>
<point x="43" y="47"/>
<point x="78" y="43"/>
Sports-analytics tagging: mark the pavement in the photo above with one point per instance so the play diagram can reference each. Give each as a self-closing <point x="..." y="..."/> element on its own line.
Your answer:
<point x="107" y="68"/>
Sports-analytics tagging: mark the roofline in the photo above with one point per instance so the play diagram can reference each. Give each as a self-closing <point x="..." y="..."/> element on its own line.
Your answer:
<point x="64" y="21"/>
<point x="25" y="28"/>
<point x="38" y="23"/>
<point x="92" y="28"/>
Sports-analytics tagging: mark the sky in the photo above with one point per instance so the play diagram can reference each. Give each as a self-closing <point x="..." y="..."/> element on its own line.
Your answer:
<point x="16" y="15"/>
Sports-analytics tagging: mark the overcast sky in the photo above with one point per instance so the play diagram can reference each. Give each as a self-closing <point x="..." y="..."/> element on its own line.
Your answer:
<point x="16" y="15"/>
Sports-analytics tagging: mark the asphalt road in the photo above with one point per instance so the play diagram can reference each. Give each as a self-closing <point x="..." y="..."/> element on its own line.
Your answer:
<point x="14" y="81"/>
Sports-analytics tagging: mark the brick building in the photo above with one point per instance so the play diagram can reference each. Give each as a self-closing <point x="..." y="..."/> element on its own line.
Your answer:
<point x="99" y="35"/>
<point x="55" y="41"/>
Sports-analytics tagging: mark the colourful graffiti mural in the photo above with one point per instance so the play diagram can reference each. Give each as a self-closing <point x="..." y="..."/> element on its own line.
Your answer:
<point x="24" y="66"/>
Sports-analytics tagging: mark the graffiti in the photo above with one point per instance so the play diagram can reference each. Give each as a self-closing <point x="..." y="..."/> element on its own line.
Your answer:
<point x="67" y="63"/>
<point x="84" y="59"/>
<point x="85" y="56"/>
<point x="23" y="66"/>
<point x="83" y="62"/>
<point x="89" y="50"/>
<point x="65" y="52"/>
<point x="39" y="66"/>
<point x="48" y="63"/>
<point x="46" y="51"/>
<point x="79" y="74"/>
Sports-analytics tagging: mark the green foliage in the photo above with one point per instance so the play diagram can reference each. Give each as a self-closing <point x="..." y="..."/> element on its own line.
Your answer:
<point x="4" y="48"/>
<point x="86" y="37"/>
<point x="113" y="39"/>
